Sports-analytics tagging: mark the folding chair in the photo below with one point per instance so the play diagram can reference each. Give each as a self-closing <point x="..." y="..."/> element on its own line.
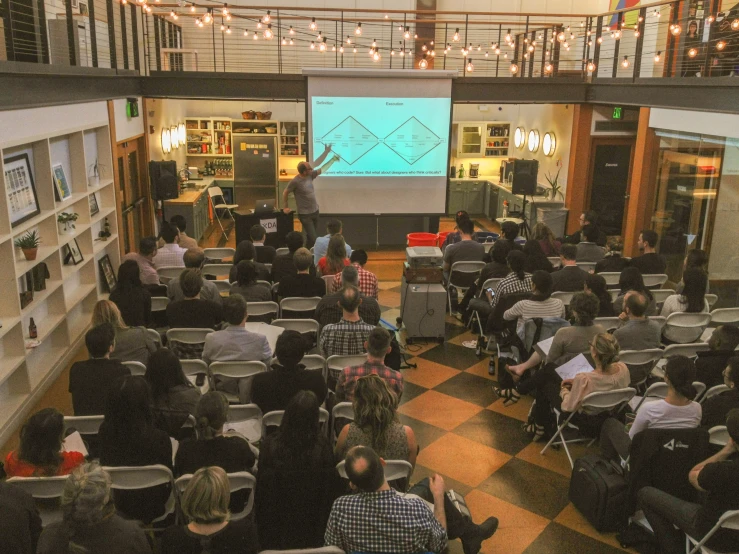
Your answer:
<point x="274" y="419"/>
<point x="687" y="326"/>
<point x="394" y="469"/>
<point x="690" y="349"/>
<point x="660" y="295"/>
<point x="144" y="477"/>
<point x="718" y="435"/>
<point x="720" y="316"/>
<point x="556" y="261"/>
<point x="192" y="369"/>
<point x="86" y="425"/>
<point x="282" y="251"/>
<point x="488" y="284"/>
<point x="240" y="480"/>
<point x="298" y="308"/>
<point x="187" y="344"/>
<point x="44" y="489"/>
<point x="218" y="202"/>
<point x="608" y="323"/>
<point x="700" y="388"/>
<point x="655" y="391"/>
<point x="168" y="273"/>
<point x="336" y="364"/>
<point x="341" y="411"/>
<point x="306" y="327"/>
<point x="217" y="270"/>
<point x="729" y="520"/>
<point x="264" y="284"/>
<point x="710" y="393"/>
<point x="154" y="335"/>
<point x="565" y="297"/>
<point x="218" y="254"/>
<point x="159" y="304"/>
<point x="329" y="280"/>
<point x="614" y="294"/>
<point x="604" y="400"/>
<point x="461" y="276"/>
<point x="245" y="419"/>
<point x="640" y="364"/>
<point x="137" y="368"/>
<point x="611" y="277"/>
<point x="265" y="312"/>
<point x="711" y="299"/>
<point x="241" y="370"/>
<point x="654" y="279"/>
<point x="586" y="266"/>
<point x="320" y="550"/>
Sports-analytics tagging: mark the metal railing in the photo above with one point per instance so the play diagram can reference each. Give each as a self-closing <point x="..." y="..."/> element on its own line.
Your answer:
<point x="681" y="38"/>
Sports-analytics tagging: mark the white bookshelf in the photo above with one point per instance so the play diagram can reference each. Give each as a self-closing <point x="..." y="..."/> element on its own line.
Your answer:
<point x="61" y="311"/>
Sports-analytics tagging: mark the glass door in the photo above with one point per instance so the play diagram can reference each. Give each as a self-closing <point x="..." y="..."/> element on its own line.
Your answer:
<point x="471" y="140"/>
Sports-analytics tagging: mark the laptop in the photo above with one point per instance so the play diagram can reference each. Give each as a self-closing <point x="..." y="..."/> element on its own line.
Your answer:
<point x="265" y="206"/>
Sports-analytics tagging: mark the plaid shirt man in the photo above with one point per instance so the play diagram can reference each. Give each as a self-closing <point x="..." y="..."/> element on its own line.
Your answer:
<point x="348" y="379"/>
<point x="367" y="282"/>
<point x="345" y="338"/>
<point x="511" y="284"/>
<point x="384" y="521"/>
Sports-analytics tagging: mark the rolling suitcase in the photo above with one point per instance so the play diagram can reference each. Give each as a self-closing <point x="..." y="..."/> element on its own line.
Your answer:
<point x="598" y="489"/>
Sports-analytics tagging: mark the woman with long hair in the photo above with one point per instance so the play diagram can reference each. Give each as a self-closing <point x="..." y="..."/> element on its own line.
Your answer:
<point x="518" y="280"/>
<point x="40" y="452"/>
<point x="535" y="257"/>
<point x="596" y="284"/>
<point x="246" y="283"/>
<point x="335" y="259"/>
<point x="174" y="396"/>
<point x="376" y="423"/>
<point x="132" y="299"/>
<point x="694" y="258"/>
<point x="631" y="279"/>
<point x="132" y="344"/>
<point x="246" y="251"/>
<point x="209" y="529"/>
<point x="693" y="297"/>
<point x="545" y="237"/>
<point x="90" y="523"/>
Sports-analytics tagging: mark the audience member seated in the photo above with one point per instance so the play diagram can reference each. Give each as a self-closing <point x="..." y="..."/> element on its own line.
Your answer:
<point x="245" y="251"/>
<point x="193" y="311"/>
<point x="40" y="452"/>
<point x="693" y="297"/>
<point x="205" y="505"/>
<point x="377" y="346"/>
<point x="649" y="263"/>
<point x="586" y="218"/>
<point x="320" y="248"/>
<point x="509" y="233"/>
<point x="544" y="236"/>
<point x="265" y="254"/>
<point x="348" y="336"/>
<point x="329" y="309"/>
<point x="376" y="423"/>
<point x="273" y="390"/>
<point x="535" y="258"/>
<point x="174" y="397"/>
<point x="235" y="343"/>
<point x="335" y="258"/>
<point x="676" y="411"/>
<point x="297" y="480"/>
<point x="132" y="344"/>
<point x="596" y="285"/>
<point x="128" y="437"/>
<point x="90" y="380"/>
<point x="541" y="304"/>
<point x="144" y="259"/>
<point x="170" y="253"/>
<point x="90" y="523"/>
<point x="497" y="268"/>
<point x="466" y="250"/>
<point x="302" y="284"/>
<point x="718" y="476"/>
<point x="516" y="281"/>
<point x="409" y="525"/>
<point x="710" y="364"/>
<point x="637" y="331"/>
<point x="367" y="279"/>
<point x="716" y="408"/>
<point x="283" y="264"/>
<point x="613" y="261"/>
<point x="132" y="299"/>
<point x="455" y="236"/>
<point x="631" y="280"/>
<point x="194" y="258"/>
<point x="20" y="523"/>
<point x="695" y="258"/>
<point x="246" y="284"/>
<point x="587" y="249"/>
<point x="569" y="278"/>
<point x="184" y="241"/>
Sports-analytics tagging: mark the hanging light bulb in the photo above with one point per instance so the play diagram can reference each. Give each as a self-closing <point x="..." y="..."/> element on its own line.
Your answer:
<point x="505" y="56"/>
<point x="199" y="23"/>
<point x="423" y="64"/>
<point x="283" y="42"/>
<point x="424" y="47"/>
<point x="589" y="32"/>
<point x="625" y="63"/>
<point x="464" y="52"/>
<point x="526" y="56"/>
<point x="479" y="47"/>
<point x="228" y="30"/>
<point x="259" y="24"/>
<point x="692" y="53"/>
<point x="486" y="54"/>
<point x="333" y="48"/>
<point x="508" y="36"/>
<point x="497" y="51"/>
<point x="355" y="50"/>
<point x="455" y="37"/>
<point x="600" y="40"/>
<point x="341" y="49"/>
<point x="548" y="67"/>
<point x="172" y="14"/>
<point x="228" y="16"/>
<point x="392" y="51"/>
<point x="290" y="43"/>
<point x="319" y="38"/>
<point x="268" y="34"/>
<point x="710" y="19"/>
<point x="566" y="45"/>
<point x="124" y="2"/>
<point x="640" y="19"/>
<point x="407" y="34"/>
<point x="402" y="52"/>
<point x="514" y="68"/>
<point x="358" y="30"/>
<point x="561" y="37"/>
<point x="469" y="67"/>
<point x="590" y="43"/>
<point x="720" y="45"/>
<point x="735" y="24"/>
<point x="637" y="33"/>
<point x="322" y="47"/>
<point x="617" y="34"/>
<point x="208" y="17"/>
<point x="658" y="57"/>
<point x="657" y="13"/>
<point x="433" y="53"/>
<point x="531" y="48"/>
<point x="376" y="56"/>
<point x="590" y="67"/>
<point x="267" y="18"/>
<point x="291" y="31"/>
<point x="676" y="30"/>
<point x="312" y="24"/>
<point x="312" y="45"/>
<point x="572" y="36"/>
<point x="223" y="27"/>
<point x="255" y="36"/>
<point x="374" y="43"/>
<point x="192" y="8"/>
<point x="246" y="33"/>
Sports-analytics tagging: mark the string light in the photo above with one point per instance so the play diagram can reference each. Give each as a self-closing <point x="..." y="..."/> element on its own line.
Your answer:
<point x="284" y="42"/>
<point x="710" y="19"/>
<point x="617" y="34"/>
<point x="531" y="48"/>
<point x="246" y="33"/>
<point x="259" y="24"/>
<point x="355" y="50"/>
<point x="692" y="53"/>
<point x="637" y="33"/>
<point x="228" y="16"/>
<point x="290" y="43"/>
<point x="267" y="17"/>
<point x="514" y="68"/>
<point x="374" y="43"/>
<point x="192" y="8"/>
<point x="548" y="67"/>
<point x="625" y="63"/>
<point x="561" y="37"/>
<point x="526" y="56"/>
<point x="423" y="64"/>
<point x="470" y="68"/>
<point x="407" y="34"/>
<point x="433" y="53"/>
<point x="255" y="36"/>
<point x="497" y="51"/>
<point x="508" y="36"/>
<point x="486" y="54"/>
<point x="658" y="57"/>
<point x="455" y="37"/>
<point x="424" y="47"/>
<point x="313" y="25"/>
<point x="228" y="30"/>
<point x="322" y="47"/>
<point x="358" y="30"/>
<point x="479" y="47"/>
<point x="319" y="38"/>
<point x="341" y="49"/>
<point x="590" y="67"/>
<point x="676" y="29"/>
<point x="312" y="45"/>
<point x="208" y="17"/>
<point x="333" y="48"/>
<point x="735" y="24"/>
<point x="600" y="40"/>
<point x="376" y="56"/>
<point x="268" y="34"/>
<point x="223" y="27"/>
<point x="224" y="11"/>
<point x="720" y="45"/>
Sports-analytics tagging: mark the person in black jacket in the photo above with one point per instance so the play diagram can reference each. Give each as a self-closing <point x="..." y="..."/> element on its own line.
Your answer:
<point x="283" y="264"/>
<point x="193" y="311"/>
<point x="649" y="263"/>
<point x="613" y="262"/>
<point x="716" y="408"/>
<point x="132" y="299"/>
<point x="265" y="254"/>
<point x="20" y="524"/>
<point x="587" y="218"/>
<point x="302" y="284"/>
<point x="712" y="362"/>
<point x="569" y="278"/>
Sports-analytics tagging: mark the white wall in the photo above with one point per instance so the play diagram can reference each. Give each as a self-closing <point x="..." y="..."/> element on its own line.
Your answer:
<point x="22" y="126"/>
<point x="165" y="114"/>
<point x="703" y="123"/>
<point x="724" y="266"/>
<point x="127" y="127"/>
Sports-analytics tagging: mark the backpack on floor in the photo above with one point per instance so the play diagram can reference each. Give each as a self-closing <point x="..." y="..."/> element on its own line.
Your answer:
<point x="599" y="491"/>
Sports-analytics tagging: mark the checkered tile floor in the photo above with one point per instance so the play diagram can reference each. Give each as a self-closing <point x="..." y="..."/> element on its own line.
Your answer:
<point x="479" y="447"/>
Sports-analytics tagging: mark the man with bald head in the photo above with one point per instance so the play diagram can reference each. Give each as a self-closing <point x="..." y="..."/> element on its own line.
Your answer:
<point x="194" y="259"/>
<point x="347" y="337"/>
<point x="638" y="332"/>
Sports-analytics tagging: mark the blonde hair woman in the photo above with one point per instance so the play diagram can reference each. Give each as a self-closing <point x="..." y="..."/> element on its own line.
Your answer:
<point x="132" y="344"/>
<point x="90" y="523"/>
<point x="205" y="505"/>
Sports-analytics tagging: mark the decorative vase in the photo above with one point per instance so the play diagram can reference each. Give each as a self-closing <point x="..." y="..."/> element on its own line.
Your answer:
<point x="65" y="229"/>
<point x="30" y="253"/>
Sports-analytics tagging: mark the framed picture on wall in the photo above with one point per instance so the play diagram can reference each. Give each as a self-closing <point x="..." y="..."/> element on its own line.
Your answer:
<point x="107" y="273"/>
<point x="72" y="254"/>
<point x="61" y="187"/>
<point x="94" y="208"/>
<point x="20" y="189"/>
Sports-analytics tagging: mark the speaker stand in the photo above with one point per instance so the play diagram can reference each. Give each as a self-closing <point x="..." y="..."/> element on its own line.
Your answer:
<point x="525" y="230"/>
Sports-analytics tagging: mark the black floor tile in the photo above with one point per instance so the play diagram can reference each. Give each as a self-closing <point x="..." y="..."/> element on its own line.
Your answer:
<point x="425" y="433"/>
<point x="530" y="487"/>
<point x="496" y="431"/>
<point x="559" y="539"/>
<point x="469" y="388"/>
<point x="451" y="355"/>
<point x="452" y="330"/>
<point x="410" y="391"/>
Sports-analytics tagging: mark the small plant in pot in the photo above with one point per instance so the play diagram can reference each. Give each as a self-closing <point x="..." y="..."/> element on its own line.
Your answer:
<point x="66" y="221"/>
<point x="29" y="244"/>
<point x="554" y="183"/>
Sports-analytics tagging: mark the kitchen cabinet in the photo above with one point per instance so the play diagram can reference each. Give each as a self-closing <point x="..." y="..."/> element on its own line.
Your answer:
<point x="468" y="196"/>
<point x="470" y="140"/>
<point x="497" y="140"/>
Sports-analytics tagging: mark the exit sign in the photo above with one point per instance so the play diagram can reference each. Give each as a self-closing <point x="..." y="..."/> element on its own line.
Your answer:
<point x="618" y="112"/>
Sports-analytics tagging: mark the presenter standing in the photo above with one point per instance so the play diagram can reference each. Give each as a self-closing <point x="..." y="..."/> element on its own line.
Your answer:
<point x="305" y="194"/>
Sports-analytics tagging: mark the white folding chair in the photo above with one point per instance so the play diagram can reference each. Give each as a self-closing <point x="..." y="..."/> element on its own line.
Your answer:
<point x="137" y="368"/>
<point x="302" y="326"/>
<point x="718" y="435"/>
<point x="245" y="419"/>
<point x="729" y="520"/>
<point x="274" y="419"/>
<point x="315" y="362"/>
<point x="614" y="294"/>
<point x="611" y="277"/>
<point x="700" y="388"/>
<point x="237" y="481"/>
<point x="241" y="370"/>
<point x="282" y="251"/>
<point x="710" y="393"/>
<point x="686" y="326"/>
<point x="711" y="299"/>
<point x="342" y="410"/>
<point x="218" y="202"/>
<point x="86" y="425"/>
<point x="556" y="261"/>
<point x="193" y="368"/>
<point x="262" y="311"/>
<point x="218" y="254"/>
<point x="154" y="335"/>
<point x="586" y="266"/>
<point x="186" y="342"/>
<point x="461" y="276"/>
<point x="660" y="295"/>
<point x="44" y="489"/>
<point x="329" y="280"/>
<point x="222" y="285"/>
<point x="719" y="316"/>
<point x="654" y="279"/>
<point x="689" y="349"/>
<point x="641" y="363"/>
<point x="336" y="364"/>
<point x="488" y="284"/>
<point x="142" y="478"/>
<point x="168" y="273"/>
<point x="217" y="270"/>
<point x="565" y="297"/>
<point x="265" y="284"/>
<point x="655" y="391"/>
<point x="603" y="400"/>
<point x="298" y="308"/>
<point x="159" y="304"/>
<point x="394" y="469"/>
<point x="320" y="550"/>
<point x="608" y="323"/>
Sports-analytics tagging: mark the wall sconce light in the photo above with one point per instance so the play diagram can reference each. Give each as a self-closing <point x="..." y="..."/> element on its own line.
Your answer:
<point x="166" y="141"/>
<point x="549" y="144"/>
<point x="174" y="137"/>
<point x="183" y="133"/>
<point x="533" y="140"/>
<point x="519" y="137"/>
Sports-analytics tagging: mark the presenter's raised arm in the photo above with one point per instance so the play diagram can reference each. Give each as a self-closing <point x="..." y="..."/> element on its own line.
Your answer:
<point x="322" y="157"/>
<point x="324" y="168"/>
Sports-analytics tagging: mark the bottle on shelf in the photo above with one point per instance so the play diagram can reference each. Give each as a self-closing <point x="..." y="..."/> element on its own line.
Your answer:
<point x="460" y="173"/>
<point x="32" y="331"/>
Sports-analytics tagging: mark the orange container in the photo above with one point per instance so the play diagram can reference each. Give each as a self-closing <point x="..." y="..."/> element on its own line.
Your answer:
<point x="442" y="237"/>
<point x="422" y="239"/>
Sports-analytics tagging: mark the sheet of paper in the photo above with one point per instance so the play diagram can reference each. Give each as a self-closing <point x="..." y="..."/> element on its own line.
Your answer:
<point x="543" y="347"/>
<point x="576" y="365"/>
<point x="175" y="446"/>
<point x="74" y="443"/>
<point x="250" y="429"/>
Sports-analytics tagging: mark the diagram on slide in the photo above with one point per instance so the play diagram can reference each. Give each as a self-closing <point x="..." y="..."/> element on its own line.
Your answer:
<point x="351" y="140"/>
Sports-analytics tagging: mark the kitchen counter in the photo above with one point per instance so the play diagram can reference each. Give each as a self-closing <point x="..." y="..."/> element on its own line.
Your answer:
<point x="192" y="195"/>
<point x="193" y="203"/>
<point x="493" y="180"/>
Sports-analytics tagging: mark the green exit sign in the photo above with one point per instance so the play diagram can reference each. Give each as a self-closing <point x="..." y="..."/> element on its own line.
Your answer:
<point x="618" y="112"/>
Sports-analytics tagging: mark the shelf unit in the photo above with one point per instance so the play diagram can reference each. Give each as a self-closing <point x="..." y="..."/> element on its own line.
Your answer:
<point x="497" y="140"/>
<point x="199" y="132"/>
<point x="292" y="138"/>
<point x="470" y="140"/>
<point x="62" y="304"/>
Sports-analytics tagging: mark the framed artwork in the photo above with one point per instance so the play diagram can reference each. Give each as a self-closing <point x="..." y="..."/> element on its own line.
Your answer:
<point x="20" y="190"/>
<point x="60" y="183"/>
<point x="93" y="200"/>
<point x="83" y="9"/>
<point x="72" y="254"/>
<point x="106" y="270"/>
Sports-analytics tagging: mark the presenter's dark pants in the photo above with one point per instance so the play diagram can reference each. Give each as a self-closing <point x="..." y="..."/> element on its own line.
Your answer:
<point x="310" y="227"/>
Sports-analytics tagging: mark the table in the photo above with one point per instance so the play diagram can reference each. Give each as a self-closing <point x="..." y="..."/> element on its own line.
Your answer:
<point x="269" y="331"/>
<point x="284" y="223"/>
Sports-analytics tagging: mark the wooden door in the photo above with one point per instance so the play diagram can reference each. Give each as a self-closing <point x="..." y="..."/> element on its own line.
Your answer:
<point x="132" y="193"/>
<point x="610" y="180"/>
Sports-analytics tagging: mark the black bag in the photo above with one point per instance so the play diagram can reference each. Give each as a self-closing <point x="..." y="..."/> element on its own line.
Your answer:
<point x="598" y="489"/>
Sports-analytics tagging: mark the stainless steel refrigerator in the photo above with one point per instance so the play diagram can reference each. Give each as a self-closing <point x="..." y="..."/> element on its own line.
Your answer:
<point x="255" y="160"/>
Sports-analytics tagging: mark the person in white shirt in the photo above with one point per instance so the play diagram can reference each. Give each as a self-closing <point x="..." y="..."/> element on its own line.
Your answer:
<point x="171" y="254"/>
<point x="541" y="304"/>
<point x="692" y="300"/>
<point x="676" y="411"/>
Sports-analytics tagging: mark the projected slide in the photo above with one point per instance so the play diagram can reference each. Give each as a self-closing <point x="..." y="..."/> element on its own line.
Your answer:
<point x="376" y="137"/>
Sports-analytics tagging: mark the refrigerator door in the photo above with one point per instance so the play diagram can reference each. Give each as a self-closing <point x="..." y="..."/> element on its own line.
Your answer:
<point x="255" y="160"/>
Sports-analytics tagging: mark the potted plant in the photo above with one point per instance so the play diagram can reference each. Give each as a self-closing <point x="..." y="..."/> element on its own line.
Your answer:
<point x="66" y="222"/>
<point x="554" y="183"/>
<point x="29" y="244"/>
